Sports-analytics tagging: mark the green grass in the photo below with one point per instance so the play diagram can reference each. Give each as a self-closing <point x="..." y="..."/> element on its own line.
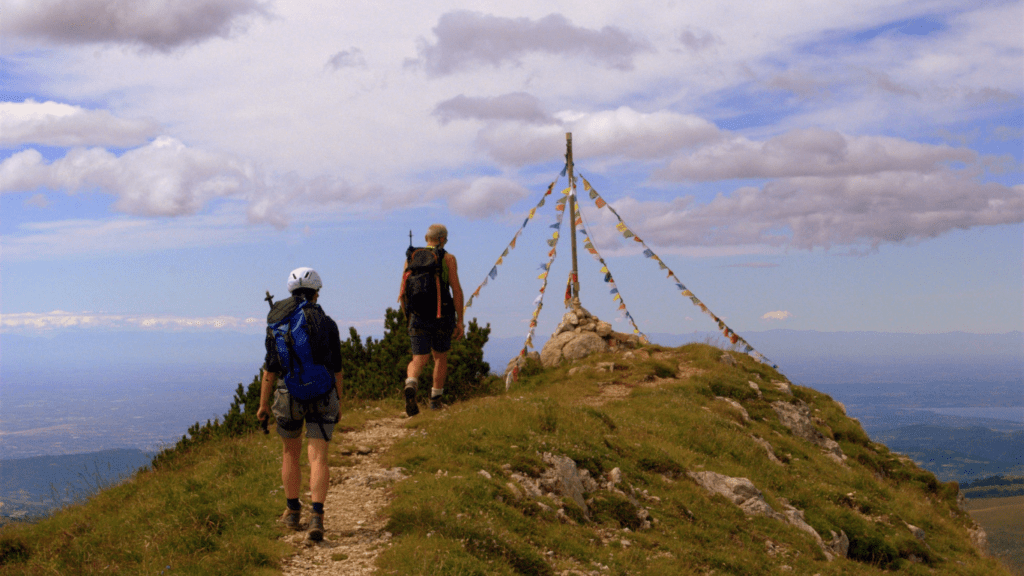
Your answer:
<point x="461" y="522"/>
<point x="212" y="507"/>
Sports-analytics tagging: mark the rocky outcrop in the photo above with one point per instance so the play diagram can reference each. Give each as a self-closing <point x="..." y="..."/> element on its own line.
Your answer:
<point x="581" y="334"/>
<point x="797" y="417"/>
<point x="743" y="493"/>
<point x="563" y="479"/>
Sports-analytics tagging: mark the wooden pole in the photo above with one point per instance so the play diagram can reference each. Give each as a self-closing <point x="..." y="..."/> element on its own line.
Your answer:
<point x="572" y="216"/>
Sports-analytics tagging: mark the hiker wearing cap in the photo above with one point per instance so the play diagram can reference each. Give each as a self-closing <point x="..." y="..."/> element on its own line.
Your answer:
<point x="302" y="370"/>
<point x="431" y="298"/>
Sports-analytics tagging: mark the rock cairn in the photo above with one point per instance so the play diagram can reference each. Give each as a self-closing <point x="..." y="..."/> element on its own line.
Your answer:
<point x="579" y="335"/>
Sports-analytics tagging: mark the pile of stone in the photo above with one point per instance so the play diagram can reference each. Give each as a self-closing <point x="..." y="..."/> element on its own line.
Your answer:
<point x="581" y="334"/>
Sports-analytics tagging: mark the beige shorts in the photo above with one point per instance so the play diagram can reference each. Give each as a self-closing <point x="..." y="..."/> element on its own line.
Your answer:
<point x="320" y="416"/>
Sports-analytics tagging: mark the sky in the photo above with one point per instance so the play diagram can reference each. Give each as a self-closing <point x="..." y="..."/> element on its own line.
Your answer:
<point x="803" y="165"/>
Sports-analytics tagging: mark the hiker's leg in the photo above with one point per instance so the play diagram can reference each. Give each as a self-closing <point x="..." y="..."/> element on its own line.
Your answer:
<point x="319" y="473"/>
<point x="416" y="365"/>
<point x="440" y="368"/>
<point x="291" y="476"/>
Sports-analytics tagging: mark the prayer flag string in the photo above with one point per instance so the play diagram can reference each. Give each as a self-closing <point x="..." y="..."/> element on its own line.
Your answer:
<point x="493" y="273"/>
<point x="731" y="335"/>
<point x="608" y="279"/>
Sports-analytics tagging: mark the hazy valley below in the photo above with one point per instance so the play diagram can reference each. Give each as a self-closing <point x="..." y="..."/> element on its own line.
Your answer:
<point x="954" y="403"/>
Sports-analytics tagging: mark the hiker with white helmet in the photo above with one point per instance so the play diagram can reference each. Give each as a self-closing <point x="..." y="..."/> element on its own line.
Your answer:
<point x="302" y="370"/>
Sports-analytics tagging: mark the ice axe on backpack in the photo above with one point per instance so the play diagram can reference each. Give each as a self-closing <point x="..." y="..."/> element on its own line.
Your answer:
<point x="264" y="422"/>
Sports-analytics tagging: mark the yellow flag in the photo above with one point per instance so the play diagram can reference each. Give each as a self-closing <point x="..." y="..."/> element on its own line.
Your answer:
<point x="565" y="192"/>
<point x="620" y="227"/>
<point x="543" y="275"/>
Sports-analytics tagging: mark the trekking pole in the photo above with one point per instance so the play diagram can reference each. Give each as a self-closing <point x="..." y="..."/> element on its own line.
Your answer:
<point x="270" y="299"/>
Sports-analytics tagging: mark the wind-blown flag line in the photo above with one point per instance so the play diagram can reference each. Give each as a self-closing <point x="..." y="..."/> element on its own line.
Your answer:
<point x="616" y="296"/>
<point x="648" y="253"/>
<point x="493" y="273"/>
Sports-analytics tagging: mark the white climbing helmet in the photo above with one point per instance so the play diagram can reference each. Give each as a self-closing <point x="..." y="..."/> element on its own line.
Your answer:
<point x="304" y="278"/>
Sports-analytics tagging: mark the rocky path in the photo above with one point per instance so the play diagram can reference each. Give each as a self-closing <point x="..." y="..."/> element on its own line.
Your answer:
<point x="354" y="527"/>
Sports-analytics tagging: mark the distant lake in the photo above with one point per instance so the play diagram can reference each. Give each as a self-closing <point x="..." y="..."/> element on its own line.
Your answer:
<point x="1010" y="413"/>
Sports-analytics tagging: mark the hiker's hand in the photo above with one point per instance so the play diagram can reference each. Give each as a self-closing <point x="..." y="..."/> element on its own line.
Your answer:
<point x="263" y="414"/>
<point x="457" y="334"/>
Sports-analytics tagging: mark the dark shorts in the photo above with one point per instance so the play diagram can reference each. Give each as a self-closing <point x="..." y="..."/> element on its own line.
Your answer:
<point x="433" y="334"/>
<point x="319" y="414"/>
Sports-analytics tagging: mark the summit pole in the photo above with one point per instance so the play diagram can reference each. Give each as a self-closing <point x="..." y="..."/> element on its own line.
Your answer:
<point x="572" y="216"/>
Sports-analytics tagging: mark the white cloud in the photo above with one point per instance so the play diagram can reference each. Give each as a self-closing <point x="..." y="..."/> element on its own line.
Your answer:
<point x="777" y="315"/>
<point x="56" y="124"/>
<point x="157" y="24"/>
<point x="810" y="152"/>
<point x="620" y="134"/>
<point x="58" y="320"/>
<point x="481" y="197"/>
<point x="163" y="178"/>
<point x="466" y="39"/>
<point x="813" y="212"/>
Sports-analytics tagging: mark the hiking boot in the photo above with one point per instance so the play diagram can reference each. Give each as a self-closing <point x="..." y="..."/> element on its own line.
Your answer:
<point x="316" y="527"/>
<point x="435" y="403"/>
<point x="291" y="518"/>
<point x="411" y="409"/>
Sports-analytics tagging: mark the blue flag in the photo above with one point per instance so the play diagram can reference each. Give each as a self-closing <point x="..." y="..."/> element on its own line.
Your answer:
<point x="493" y="273"/>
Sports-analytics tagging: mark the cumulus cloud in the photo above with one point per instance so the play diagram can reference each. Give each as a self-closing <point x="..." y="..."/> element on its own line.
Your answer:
<point x="810" y="152"/>
<point x="351" y="58"/>
<point x="466" y="39"/>
<point x="481" y="197"/>
<point x="776" y="315"/>
<point x="622" y="133"/>
<point x="820" y="212"/>
<point x="168" y="178"/>
<point x="157" y="24"/>
<point x="56" y="124"/>
<point x="58" y="319"/>
<point x="163" y="178"/>
<point x="516" y="106"/>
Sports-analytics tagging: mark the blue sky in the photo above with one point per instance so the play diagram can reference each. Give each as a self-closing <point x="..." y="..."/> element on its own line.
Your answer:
<point x="807" y="166"/>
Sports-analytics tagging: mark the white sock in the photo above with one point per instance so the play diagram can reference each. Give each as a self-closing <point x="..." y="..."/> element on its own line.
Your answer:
<point x="411" y="382"/>
<point x="436" y="392"/>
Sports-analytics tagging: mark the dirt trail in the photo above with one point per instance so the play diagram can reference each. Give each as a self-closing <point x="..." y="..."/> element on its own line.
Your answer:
<point x="354" y="528"/>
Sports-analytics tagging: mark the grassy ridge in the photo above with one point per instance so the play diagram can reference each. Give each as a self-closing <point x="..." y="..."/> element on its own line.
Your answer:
<point x="210" y="506"/>
<point x="449" y="518"/>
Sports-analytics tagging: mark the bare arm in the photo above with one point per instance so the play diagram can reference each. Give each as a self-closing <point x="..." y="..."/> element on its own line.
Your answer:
<point x="460" y="309"/>
<point x="266" y="392"/>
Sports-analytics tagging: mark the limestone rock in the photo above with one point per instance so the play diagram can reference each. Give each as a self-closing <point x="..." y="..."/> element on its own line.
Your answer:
<point x="739" y="407"/>
<point x="767" y="448"/>
<point x="739" y="491"/>
<point x="603" y="329"/>
<point x="564" y="478"/>
<point x="978" y="537"/>
<point x="583" y="345"/>
<point x="796" y="417"/>
<point x="551" y="354"/>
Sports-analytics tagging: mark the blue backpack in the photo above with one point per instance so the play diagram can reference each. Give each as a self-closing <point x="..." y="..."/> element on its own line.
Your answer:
<point x="300" y="333"/>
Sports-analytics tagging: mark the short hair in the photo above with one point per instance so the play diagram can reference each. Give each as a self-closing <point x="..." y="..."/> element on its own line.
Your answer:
<point x="305" y="293"/>
<point x="437" y="232"/>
